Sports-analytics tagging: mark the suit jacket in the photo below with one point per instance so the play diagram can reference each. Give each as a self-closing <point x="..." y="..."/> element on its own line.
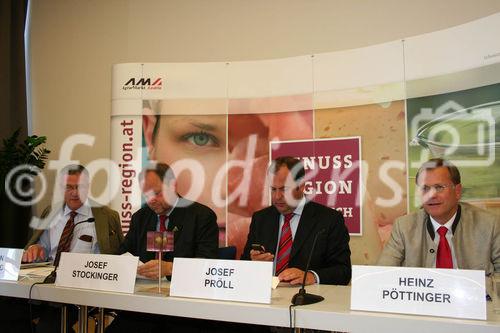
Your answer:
<point x="107" y="226"/>
<point x="476" y="241"/>
<point x="197" y="234"/>
<point x="331" y="258"/>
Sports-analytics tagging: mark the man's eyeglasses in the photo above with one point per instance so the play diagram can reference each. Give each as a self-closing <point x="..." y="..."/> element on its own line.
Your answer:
<point x="437" y="188"/>
<point x="69" y="188"/>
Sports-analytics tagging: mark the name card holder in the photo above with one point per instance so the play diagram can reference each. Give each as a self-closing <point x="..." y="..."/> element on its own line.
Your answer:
<point x="97" y="271"/>
<point x="228" y="280"/>
<point x="10" y="263"/>
<point x="422" y="291"/>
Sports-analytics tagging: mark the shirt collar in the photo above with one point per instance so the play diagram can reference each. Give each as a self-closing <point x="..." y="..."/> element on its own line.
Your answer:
<point x="84" y="210"/>
<point x="436" y="225"/>
<point x="300" y="207"/>
<point x="171" y="209"/>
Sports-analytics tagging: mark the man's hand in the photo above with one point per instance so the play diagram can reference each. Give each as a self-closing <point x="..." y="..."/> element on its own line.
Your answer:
<point x="34" y="252"/>
<point x="150" y="269"/>
<point x="295" y="276"/>
<point x="261" y="256"/>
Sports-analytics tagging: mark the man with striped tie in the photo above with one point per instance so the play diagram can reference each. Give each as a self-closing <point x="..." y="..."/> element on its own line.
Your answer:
<point x="287" y="230"/>
<point x="76" y="225"/>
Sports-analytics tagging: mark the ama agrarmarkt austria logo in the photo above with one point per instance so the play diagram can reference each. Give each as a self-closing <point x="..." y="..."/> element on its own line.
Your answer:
<point x="143" y="83"/>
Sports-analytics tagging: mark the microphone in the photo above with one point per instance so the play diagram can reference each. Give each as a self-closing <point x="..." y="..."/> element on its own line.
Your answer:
<point x="51" y="278"/>
<point x="303" y="298"/>
<point x="89" y="220"/>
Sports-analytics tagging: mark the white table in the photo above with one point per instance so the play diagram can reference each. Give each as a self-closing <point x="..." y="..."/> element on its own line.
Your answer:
<point x="334" y="314"/>
<point x="331" y="314"/>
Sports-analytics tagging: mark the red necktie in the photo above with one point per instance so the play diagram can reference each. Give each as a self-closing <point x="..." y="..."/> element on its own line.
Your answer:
<point x="170" y="235"/>
<point x="443" y="259"/>
<point x="66" y="237"/>
<point x="285" y="245"/>
<point x="163" y="219"/>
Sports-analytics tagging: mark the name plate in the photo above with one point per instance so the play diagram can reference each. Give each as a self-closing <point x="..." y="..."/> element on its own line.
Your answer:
<point x="97" y="271"/>
<point x="10" y="263"/>
<point x="228" y="280"/>
<point x="422" y="291"/>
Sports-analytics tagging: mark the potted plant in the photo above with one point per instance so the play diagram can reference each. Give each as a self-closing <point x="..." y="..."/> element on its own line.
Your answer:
<point x="19" y="163"/>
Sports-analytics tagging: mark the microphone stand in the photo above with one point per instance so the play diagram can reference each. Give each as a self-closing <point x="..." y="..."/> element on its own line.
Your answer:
<point x="51" y="278"/>
<point x="303" y="298"/>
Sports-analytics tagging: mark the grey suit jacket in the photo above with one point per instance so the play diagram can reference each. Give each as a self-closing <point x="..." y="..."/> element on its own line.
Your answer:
<point x="476" y="241"/>
<point x="107" y="226"/>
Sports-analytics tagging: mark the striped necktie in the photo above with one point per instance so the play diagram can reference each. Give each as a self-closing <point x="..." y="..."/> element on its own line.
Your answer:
<point x="285" y="245"/>
<point x="66" y="237"/>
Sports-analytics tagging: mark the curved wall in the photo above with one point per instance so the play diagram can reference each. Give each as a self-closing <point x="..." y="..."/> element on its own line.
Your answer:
<point x="73" y="46"/>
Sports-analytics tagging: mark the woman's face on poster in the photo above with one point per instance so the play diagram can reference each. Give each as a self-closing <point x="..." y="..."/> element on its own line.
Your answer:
<point x="210" y="155"/>
<point x="195" y="147"/>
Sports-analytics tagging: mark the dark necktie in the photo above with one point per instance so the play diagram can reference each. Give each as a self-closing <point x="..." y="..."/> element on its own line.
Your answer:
<point x="163" y="219"/>
<point x="66" y="237"/>
<point x="285" y="245"/>
<point x="170" y="235"/>
<point x="443" y="259"/>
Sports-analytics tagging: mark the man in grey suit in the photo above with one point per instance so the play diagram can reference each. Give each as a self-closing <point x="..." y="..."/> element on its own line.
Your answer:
<point x="471" y="239"/>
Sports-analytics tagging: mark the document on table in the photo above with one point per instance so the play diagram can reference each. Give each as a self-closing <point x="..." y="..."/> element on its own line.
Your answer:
<point x="138" y="276"/>
<point x="35" y="264"/>
<point x="36" y="271"/>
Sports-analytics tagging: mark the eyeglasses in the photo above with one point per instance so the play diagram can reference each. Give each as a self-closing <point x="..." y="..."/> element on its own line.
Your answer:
<point x="437" y="188"/>
<point x="69" y="188"/>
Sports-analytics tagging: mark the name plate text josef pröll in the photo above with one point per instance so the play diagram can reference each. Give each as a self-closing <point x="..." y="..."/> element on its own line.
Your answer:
<point x="423" y="291"/>
<point x="10" y="263"/>
<point x="97" y="271"/>
<point x="228" y="280"/>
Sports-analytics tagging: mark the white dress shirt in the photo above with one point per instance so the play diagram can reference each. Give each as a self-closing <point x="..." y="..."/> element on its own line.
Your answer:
<point x="449" y="236"/>
<point x="294" y="224"/>
<point x="49" y="239"/>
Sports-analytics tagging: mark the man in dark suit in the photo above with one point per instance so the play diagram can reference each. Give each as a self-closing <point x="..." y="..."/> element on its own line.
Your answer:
<point x="287" y="230"/>
<point x="194" y="226"/>
<point x="195" y="235"/>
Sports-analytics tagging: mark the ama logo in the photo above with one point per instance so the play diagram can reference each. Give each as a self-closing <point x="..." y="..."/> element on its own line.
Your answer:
<point x="143" y="84"/>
